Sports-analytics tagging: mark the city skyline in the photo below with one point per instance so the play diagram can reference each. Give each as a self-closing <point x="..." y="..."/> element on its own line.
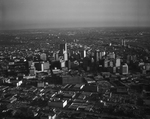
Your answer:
<point x="19" y="14"/>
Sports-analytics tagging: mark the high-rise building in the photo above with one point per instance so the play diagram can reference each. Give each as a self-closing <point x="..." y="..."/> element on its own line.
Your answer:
<point x="123" y="42"/>
<point x="43" y="56"/>
<point x="124" y="69"/>
<point x="32" y="70"/>
<point x="68" y="63"/>
<point x="63" y="64"/>
<point x="56" y="56"/>
<point x="38" y="66"/>
<point x="118" y="62"/>
<point x="63" y="51"/>
<point x="63" y="47"/>
<point x="101" y="54"/>
<point x="65" y="55"/>
<point x="97" y="55"/>
<point x="83" y="53"/>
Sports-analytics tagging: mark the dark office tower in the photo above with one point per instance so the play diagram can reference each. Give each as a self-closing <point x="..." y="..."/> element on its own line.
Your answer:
<point x="63" y="51"/>
<point x="63" y="47"/>
<point x="56" y="64"/>
<point x="102" y="54"/>
<point x="69" y="55"/>
<point x="56" y="56"/>
<point x="97" y="55"/>
<point x="83" y="53"/>
<point x="38" y="66"/>
<point x="68" y="64"/>
<point x="76" y="56"/>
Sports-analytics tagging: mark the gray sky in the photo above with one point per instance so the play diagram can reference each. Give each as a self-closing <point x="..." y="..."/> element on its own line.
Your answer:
<point x="20" y="14"/>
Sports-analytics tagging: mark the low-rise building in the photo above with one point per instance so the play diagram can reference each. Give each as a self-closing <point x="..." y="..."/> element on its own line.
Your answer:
<point x="57" y="103"/>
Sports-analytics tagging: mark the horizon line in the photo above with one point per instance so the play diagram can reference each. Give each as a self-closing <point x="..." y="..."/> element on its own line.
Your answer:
<point x="75" y="27"/>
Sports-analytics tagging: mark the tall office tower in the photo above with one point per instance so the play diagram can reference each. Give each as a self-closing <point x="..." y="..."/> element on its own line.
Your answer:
<point x="123" y="42"/>
<point x="63" y="51"/>
<point x="128" y="59"/>
<point x="63" y="47"/>
<point x="102" y="54"/>
<point x="69" y="64"/>
<point x="97" y="55"/>
<point x="56" y="56"/>
<point x="63" y="64"/>
<point x="124" y="69"/>
<point x="32" y="70"/>
<point x="84" y="53"/>
<point x="118" y="62"/>
<point x="43" y="56"/>
<point x="65" y="55"/>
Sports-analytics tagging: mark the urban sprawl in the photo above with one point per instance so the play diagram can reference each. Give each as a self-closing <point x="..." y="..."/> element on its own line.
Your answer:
<point x="74" y="74"/>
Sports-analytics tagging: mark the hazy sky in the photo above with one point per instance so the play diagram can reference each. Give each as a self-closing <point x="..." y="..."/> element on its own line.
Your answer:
<point x="20" y="14"/>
